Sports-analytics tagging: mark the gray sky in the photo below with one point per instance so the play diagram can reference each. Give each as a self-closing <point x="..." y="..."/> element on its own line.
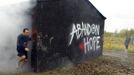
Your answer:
<point x="119" y="13"/>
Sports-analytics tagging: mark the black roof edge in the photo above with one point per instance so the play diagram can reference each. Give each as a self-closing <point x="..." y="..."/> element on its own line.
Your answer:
<point x="96" y="9"/>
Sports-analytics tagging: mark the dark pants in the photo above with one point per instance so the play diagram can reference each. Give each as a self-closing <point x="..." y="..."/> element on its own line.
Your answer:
<point x="22" y="52"/>
<point x="126" y="46"/>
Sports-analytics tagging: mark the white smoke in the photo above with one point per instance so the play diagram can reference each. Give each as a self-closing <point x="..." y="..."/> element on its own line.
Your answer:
<point x="14" y="17"/>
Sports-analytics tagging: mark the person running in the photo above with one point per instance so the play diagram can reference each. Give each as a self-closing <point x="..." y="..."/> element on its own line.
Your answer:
<point x="127" y="41"/>
<point x="22" y="47"/>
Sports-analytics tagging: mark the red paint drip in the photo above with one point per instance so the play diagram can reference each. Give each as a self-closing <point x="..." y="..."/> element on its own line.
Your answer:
<point x="81" y="46"/>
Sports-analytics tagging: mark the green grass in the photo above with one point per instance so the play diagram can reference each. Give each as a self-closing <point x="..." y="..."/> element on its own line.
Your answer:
<point x="116" y="43"/>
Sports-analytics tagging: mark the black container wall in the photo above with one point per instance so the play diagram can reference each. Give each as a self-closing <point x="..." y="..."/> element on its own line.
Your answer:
<point x="65" y="30"/>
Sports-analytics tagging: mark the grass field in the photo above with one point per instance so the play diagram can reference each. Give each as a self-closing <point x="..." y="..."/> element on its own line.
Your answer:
<point x="117" y="43"/>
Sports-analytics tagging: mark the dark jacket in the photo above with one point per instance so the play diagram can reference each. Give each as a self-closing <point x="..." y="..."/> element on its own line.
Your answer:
<point x="22" y="42"/>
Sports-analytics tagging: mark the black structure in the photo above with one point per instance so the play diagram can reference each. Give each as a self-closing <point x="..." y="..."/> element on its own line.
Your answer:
<point x="65" y="30"/>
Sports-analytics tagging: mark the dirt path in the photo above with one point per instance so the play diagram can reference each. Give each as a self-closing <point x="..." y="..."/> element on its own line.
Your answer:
<point x="123" y="55"/>
<point x="111" y="63"/>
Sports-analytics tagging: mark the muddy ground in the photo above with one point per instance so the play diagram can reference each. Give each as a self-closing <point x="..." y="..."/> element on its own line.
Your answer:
<point x="111" y="63"/>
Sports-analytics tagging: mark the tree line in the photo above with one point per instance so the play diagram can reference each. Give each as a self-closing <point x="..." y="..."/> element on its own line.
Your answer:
<point x="121" y="33"/>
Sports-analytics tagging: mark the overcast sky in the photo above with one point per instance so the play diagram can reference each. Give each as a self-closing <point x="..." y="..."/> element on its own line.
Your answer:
<point x="119" y="13"/>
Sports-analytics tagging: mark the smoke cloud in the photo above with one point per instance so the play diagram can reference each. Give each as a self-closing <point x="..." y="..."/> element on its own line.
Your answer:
<point x="13" y="18"/>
